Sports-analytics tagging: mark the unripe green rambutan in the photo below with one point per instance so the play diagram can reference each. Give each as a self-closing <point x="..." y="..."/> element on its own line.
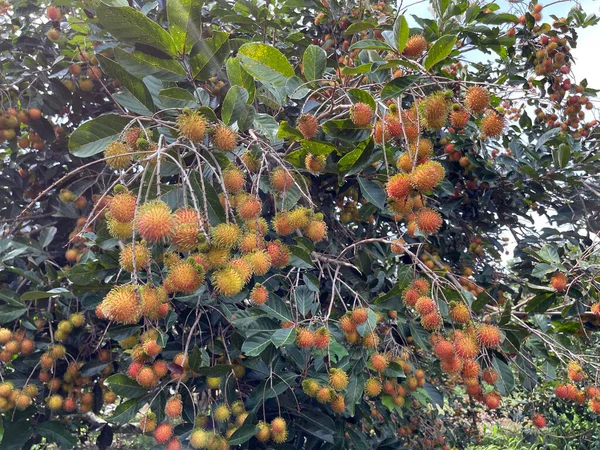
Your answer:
<point x="117" y="157"/>
<point x="310" y="387"/>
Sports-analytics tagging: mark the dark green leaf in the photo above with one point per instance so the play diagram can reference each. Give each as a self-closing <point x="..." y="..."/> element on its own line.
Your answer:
<point x="124" y="386"/>
<point x="142" y="65"/>
<point x="56" y="433"/>
<point x="314" y="62"/>
<point x="238" y="76"/>
<point x="401" y="32"/>
<point x="184" y="24"/>
<point x="397" y="86"/>
<point x="234" y="104"/>
<point x="373" y="192"/>
<point x="209" y="55"/>
<point x="439" y="51"/>
<point x="243" y="434"/>
<point x="283" y="336"/>
<point x="93" y="136"/>
<point x="256" y="344"/>
<point x="265" y="63"/>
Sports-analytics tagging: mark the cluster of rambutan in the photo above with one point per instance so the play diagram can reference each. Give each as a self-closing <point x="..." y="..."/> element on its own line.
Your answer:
<point x="329" y="393"/>
<point x="11" y="398"/>
<point x="306" y="338"/>
<point x="276" y="431"/>
<point x="571" y="391"/>
<point x="10" y="127"/>
<point x="15" y="343"/>
<point x="349" y="324"/>
<point x="416" y="296"/>
<point x="82" y="72"/>
<point x="145" y="367"/>
<point x="301" y="219"/>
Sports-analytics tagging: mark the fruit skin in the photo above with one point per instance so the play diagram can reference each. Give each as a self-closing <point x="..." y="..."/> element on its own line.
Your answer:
<point x="308" y="125"/>
<point x="361" y="114"/>
<point x="492" y="400"/>
<point x="431" y="321"/>
<point x="322" y="338"/>
<point x="459" y="118"/>
<point x="122" y="207"/>
<point x="224" y="138"/>
<point x="146" y="377"/>
<point x="142" y="257"/>
<point x="559" y="282"/>
<point x="415" y="45"/>
<point x="477" y="99"/>
<point x="489" y="335"/>
<point x="460" y="313"/>
<point x="427" y="176"/>
<point x="227" y="281"/>
<point x="213" y="382"/>
<point x="315" y="164"/>
<point x="373" y="387"/>
<point x="154" y="221"/>
<point x="305" y="338"/>
<point x="233" y="179"/>
<point x="490" y="376"/>
<point x="278" y="425"/>
<point x="338" y="379"/>
<point x="281" y="180"/>
<point x="121" y="304"/>
<point x="428" y="221"/>
<point x="264" y="432"/>
<point x="310" y="387"/>
<point x="222" y="413"/>
<point x="538" y="420"/>
<point x="163" y="433"/>
<point x="434" y="111"/>
<point x="186" y="277"/>
<point x="316" y="231"/>
<point x="259" y="294"/>
<point x="379" y="362"/>
<point x="192" y="125"/>
<point x="199" y="439"/>
<point x="174" y="407"/>
<point x="492" y="125"/>
<point x="466" y="347"/>
<point x="444" y="350"/>
<point x="226" y="235"/>
<point x="55" y="402"/>
<point x="116" y="154"/>
<point x="398" y="186"/>
<point x="360" y="315"/>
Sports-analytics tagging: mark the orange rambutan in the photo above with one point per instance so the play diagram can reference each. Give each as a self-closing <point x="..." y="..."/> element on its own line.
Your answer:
<point x="174" y="407"/>
<point x="122" y="207"/>
<point x="492" y="124"/>
<point x="594" y="405"/>
<point x="421" y="285"/>
<point x="281" y="179"/>
<point x="431" y="321"/>
<point x="423" y="148"/>
<point x="398" y="186"/>
<point x="224" y="138"/>
<point x="428" y="221"/>
<point x="338" y="379"/>
<point x="559" y="281"/>
<point x="338" y="403"/>
<point x="575" y="372"/>
<point x="380" y="132"/>
<point x="186" y="227"/>
<point x="347" y="325"/>
<point x="397" y="246"/>
<point x="459" y="118"/>
<point x="427" y="176"/>
<point x="410" y="296"/>
<point x="279" y="253"/>
<point x="316" y="231"/>
<point x="489" y="335"/>
<point x="310" y="387"/>
<point x="361" y="114"/>
<point x="490" y="376"/>
<point x="259" y="294"/>
<point x="492" y="399"/>
<point x="424" y="306"/>
<point x="154" y="221"/>
<point x="122" y="305"/>
<point x="466" y="346"/>
<point x="451" y="365"/>
<point x="460" y="313"/>
<point x="471" y="368"/>
<point x="282" y="225"/>
<point x="360" y="315"/>
<point x="242" y="267"/>
<point x="233" y="179"/>
<point x="142" y="257"/>
<point x="538" y="420"/>
<point x="379" y="362"/>
<point x="186" y="277"/>
<point x="595" y="309"/>
<point x="444" y="350"/>
<point x="118" y="156"/>
<point x="146" y="377"/>
<point x="163" y="433"/>
<point x="477" y="99"/>
<point x="305" y="338"/>
<point x="315" y="164"/>
<point x="249" y="208"/>
<point x="192" y="125"/>
<point x="161" y="368"/>
<point x="322" y="338"/>
<point x="227" y="281"/>
<point x="324" y="394"/>
<point x="415" y="46"/>
<point x="151" y="348"/>
<point x="372" y="387"/>
<point x="308" y="125"/>
<point x="151" y="299"/>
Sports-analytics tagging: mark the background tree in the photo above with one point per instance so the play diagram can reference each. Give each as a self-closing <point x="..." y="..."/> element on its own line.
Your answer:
<point x="283" y="224"/>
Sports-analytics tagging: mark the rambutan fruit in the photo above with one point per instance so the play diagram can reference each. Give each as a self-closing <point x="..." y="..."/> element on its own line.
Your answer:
<point x="459" y="118"/>
<point x="142" y="257"/>
<point x="308" y="125"/>
<point x="423" y="149"/>
<point x="27" y="347"/>
<point x="575" y="372"/>
<point x="163" y="433"/>
<point x="305" y="338"/>
<point x="191" y="125"/>
<point x="379" y="362"/>
<point x="594" y="405"/>
<point x="226" y="235"/>
<point x="186" y="227"/>
<point x="471" y="368"/>
<point x="405" y="162"/>
<point x="251" y="161"/>
<point x="300" y="217"/>
<point x="324" y="394"/>
<point x="151" y="348"/>
<point x="259" y="261"/>
<point x="361" y="114"/>
<point x="431" y="321"/>
<point x="424" y="306"/>
<point x="492" y="399"/>
<point x="122" y="305"/>
<point x="421" y="285"/>
<point x="118" y="155"/>
<point x="359" y="315"/>
<point x="415" y="46"/>
<point x="259" y="294"/>
<point x="338" y="379"/>
<point x="278" y="425"/>
<point x="372" y="387"/>
<point x="427" y="176"/>
<point x="282" y="225"/>
<point x="217" y="257"/>
<point x="460" y="313"/>
<point x="322" y="338"/>
<point x="466" y="346"/>
<point x="316" y="231"/>
<point x="492" y="124"/>
<point x="23" y="401"/>
<point x="55" y="402"/>
<point x="434" y="110"/>
<point x="122" y="206"/>
<point x="160" y="368"/>
<point x="146" y="377"/>
<point x="347" y="325"/>
<point x="279" y="253"/>
<point x="224" y="138"/>
<point x="338" y="403"/>
<point x="154" y="221"/>
<point x="119" y="230"/>
<point x="249" y="208"/>
<point x="490" y="376"/>
<point x="251" y="241"/>
<point x="222" y="413"/>
<point x="264" y="432"/>
<point x="315" y="164"/>
<point x="538" y="420"/>
<point x="380" y="132"/>
<point x="489" y="335"/>
<point x="398" y="186"/>
<point x="281" y="179"/>
<point x="428" y="221"/>
<point x="242" y="267"/>
<point x="227" y="281"/>
<point x="233" y="179"/>
<point x="444" y="350"/>
<point x="186" y="277"/>
<point x="310" y="387"/>
<point x="174" y="407"/>
<point x="5" y="335"/>
<point x="595" y="309"/>
<point x="477" y="99"/>
<point x="151" y="299"/>
<point x="559" y="281"/>
<point x="53" y="13"/>
<point x="410" y="296"/>
<point x="371" y="340"/>
<point x="279" y="438"/>
<point x="174" y="444"/>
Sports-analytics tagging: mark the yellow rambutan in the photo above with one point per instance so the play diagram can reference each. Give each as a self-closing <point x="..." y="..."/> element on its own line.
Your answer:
<point x="434" y="111"/>
<point x="186" y="227"/>
<point x="264" y="432"/>
<point x="117" y="157"/>
<point x="119" y="230"/>
<point x="398" y="186"/>
<point x="338" y="403"/>
<point x="154" y="221"/>
<point x="423" y="149"/>
<point x="259" y="261"/>
<point x="324" y="394"/>
<point x="315" y="164"/>
<point x="224" y="138"/>
<point x="361" y="114"/>
<point x="227" y="281"/>
<point x="191" y="125"/>
<point x="142" y="257"/>
<point x="310" y="387"/>
<point x="460" y="313"/>
<point x="233" y="179"/>
<point x="122" y="305"/>
<point x="226" y="235"/>
<point x="281" y="179"/>
<point x="379" y="362"/>
<point x="186" y="277"/>
<point x="477" y="99"/>
<point x="372" y="387"/>
<point x="371" y="340"/>
<point x="122" y="207"/>
<point x="308" y="125"/>
<point x="316" y="231"/>
<point x="405" y="162"/>
<point x="242" y="267"/>
<point x="151" y="299"/>
<point x="300" y="217"/>
<point x="428" y="221"/>
<point x="55" y="402"/>
<point x="251" y="241"/>
<point x="415" y="46"/>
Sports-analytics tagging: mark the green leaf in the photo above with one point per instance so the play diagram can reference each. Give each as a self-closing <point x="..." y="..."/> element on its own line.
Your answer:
<point x="56" y="433"/>
<point x="124" y="386"/>
<point x="359" y="440"/>
<point x="234" y="104"/>
<point x="370" y="44"/>
<point x="397" y="86"/>
<point x="318" y="148"/>
<point x="401" y="32"/>
<point x="561" y="155"/>
<point x="419" y="334"/>
<point x="497" y="19"/>
<point x="218" y="370"/>
<point x="357" y="27"/>
<point x="434" y="394"/>
<point x="216" y="213"/>
<point x="354" y="391"/>
<point x="176" y="97"/>
<point x="439" y="50"/>
<point x="548" y="253"/>
<point x="141" y="64"/>
<point x="93" y="367"/>
<point x="362" y="96"/>
<point x="286" y="131"/>
<point x="314" y="62"/>
<point x="256" y="344"/>
<point x="184" y="30"/>
<point x="506" y="382"/>
<point x="9" y="313"/>
<point x="305" y="300"/>
<point x="243" y="434"/>
<point x="126" y="410"/>
<point x="94" y="135"/>
<point x="315" y="423"/>
<point x="15" y="434"/>
<point x="34" y="295"/>
<point x="283" y="336"/>
<point x="134" y="85"/>
<point x="265" y="63"/>
<point x="133" y="27"/>
<point x="209" y="55"/>
<point x="373" y="192"/>
<point x="239" y="77"/>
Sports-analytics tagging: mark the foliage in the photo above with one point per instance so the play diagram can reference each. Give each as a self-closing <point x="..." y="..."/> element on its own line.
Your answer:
<point x="294" y="205"/>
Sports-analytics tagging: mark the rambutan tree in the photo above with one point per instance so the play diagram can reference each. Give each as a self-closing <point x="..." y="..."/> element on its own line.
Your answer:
<point x="294" y="225"/>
